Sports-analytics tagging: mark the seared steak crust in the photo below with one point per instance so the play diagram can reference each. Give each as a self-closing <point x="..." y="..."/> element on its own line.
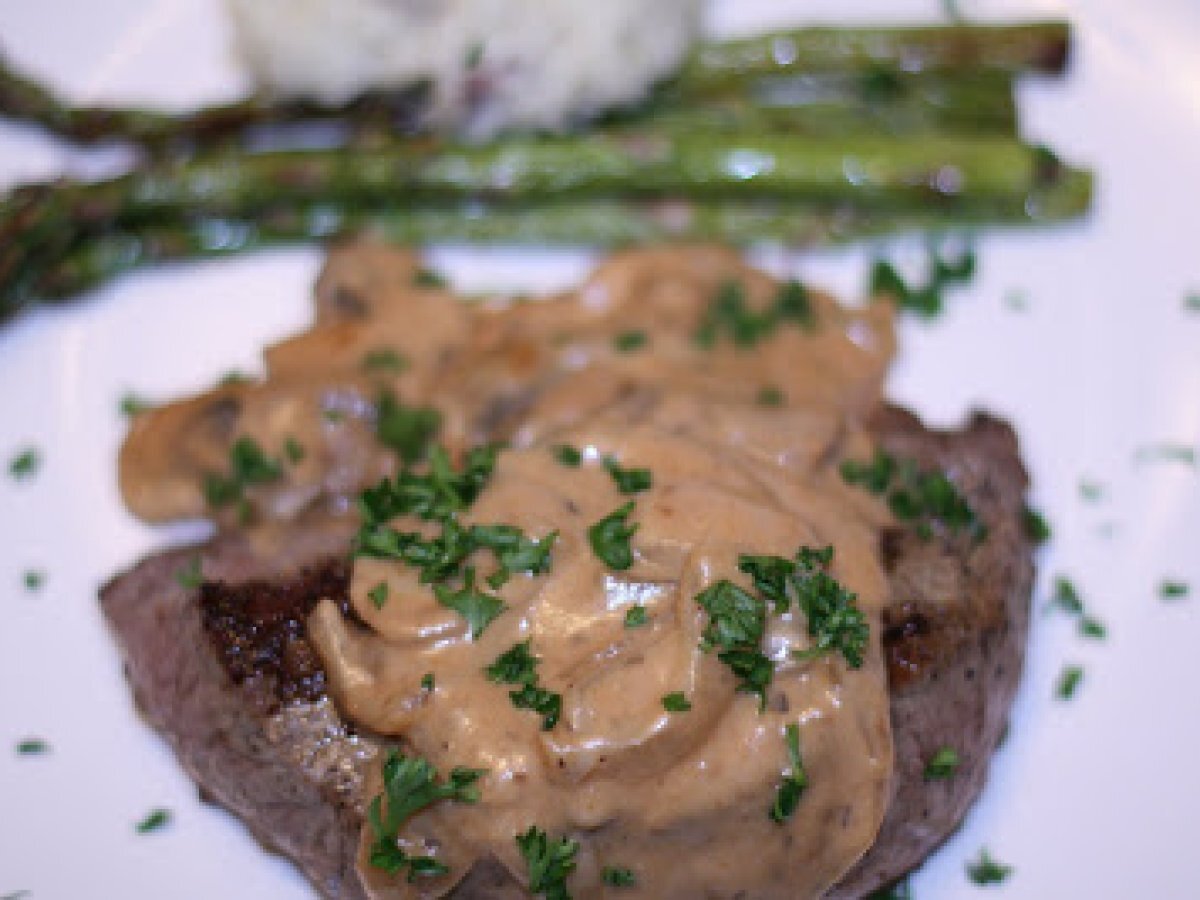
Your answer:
<point x="226" y="674"/>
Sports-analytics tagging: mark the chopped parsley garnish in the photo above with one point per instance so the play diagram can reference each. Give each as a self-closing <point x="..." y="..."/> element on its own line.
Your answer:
<point x="635" y="617"/>
<point x="614" y="876"/>
<point x="518" y="666"/>
<point x="1191" y="301"/>
<point x="986" y="870"/>
<point x="408" y="430"/>
<point x="384" y="359"/>
<point x="132" y="405"/>
<point x="770" y="396"/>
<point x="293" y="450"/>
<point x="474" y="56"/>
<point x="1092" y="628"/>
<point x="920" y="498"/>
<point x="628" y="481"/>
<point x="378" y="595"/>
<point x="628" y="341"/>
<point x="795" y="780"/>
<point x="567" y="455"/>
<point x="435" y="496"/>
<point x="189" y="577"/>
<point x="248" y="466"/>
<point x="736" y="622"/>
<point x="901" y="890"/>
<point x="1067" y="598"/>
<point x="729" y="314"/>
<point x="548" y="862"/>
<point x="1091" y="491"/>
<point x="25" y="464"/>
<point x="513" y="550"/>
<point x="1173" y="590"/>
<point x="410" y="785"/>
<point x="33" y="747"/>
<point x="1035" y="526"/>
<point x="1068" y="682"/>
<point x="477" y="607"/>
<point x="610" y="538"/>
<point x="834" y="622"/>
<point x="427" y="682"/>
<point x="926" y="300"/>
<point x="427" y="278"/>
<point x="942" y="765"/>
<point x="34" y="580"/>
<point x="1180" y="453"/>
<point x="155" y="820"/>
<point x="233" y="378"/>
<point x="676" y="702"/>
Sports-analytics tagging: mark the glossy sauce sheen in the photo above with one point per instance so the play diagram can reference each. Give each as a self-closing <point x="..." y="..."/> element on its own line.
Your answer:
<point x="681" y="798"/>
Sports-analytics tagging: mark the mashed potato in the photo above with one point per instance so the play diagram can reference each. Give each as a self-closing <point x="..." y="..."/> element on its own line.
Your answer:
<point x="492" y="63"/>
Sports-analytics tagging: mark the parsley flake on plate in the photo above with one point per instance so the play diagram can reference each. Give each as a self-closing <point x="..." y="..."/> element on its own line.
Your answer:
<point x="548" y="862"/>
<point x="795" y="780"/>
<point x="985" y="870"/>
<point x="610" y="538"/>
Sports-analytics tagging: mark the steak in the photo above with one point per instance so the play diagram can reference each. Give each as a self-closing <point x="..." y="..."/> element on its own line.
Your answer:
<point x="225" y="673"/>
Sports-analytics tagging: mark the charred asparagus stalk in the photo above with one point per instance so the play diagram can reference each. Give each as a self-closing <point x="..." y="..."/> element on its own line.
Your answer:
<point x="832" y="60"/>
<point x="1038" y="47"/>
<point x="604" y="221"/>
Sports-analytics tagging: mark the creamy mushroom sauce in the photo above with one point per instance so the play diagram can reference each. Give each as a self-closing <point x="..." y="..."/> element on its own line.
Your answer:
<point x="681" y="798"/>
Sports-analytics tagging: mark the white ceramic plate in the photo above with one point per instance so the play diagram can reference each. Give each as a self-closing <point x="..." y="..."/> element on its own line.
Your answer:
<point x="1098" y="798"/>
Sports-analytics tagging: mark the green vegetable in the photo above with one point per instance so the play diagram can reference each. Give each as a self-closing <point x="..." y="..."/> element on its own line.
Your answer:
<point x="434" y="496"/>
<point x="1092" y="628"/>
<point x="427" y="683"/>
<point x="409" y="430"/>
<point x="834" y="622"/>
<point x="618" y="877"/>
<point x="729" y="314"/>
<point x="1066" y="596"/>
<point x="628" y="341"/>
<point x="1068" y="682"/>
<point x="427" y="278"/>
<point x="676" y="702"/>
<point x="248" y="466"/>
<point x="628" y="481"/>
<point x="610" y="538"/>
<point x="477" y="607"/>
<point x="1180" y="453"/>
<point x="548" y="862"/>
<point x="33" y="747"/>
<point x="986" y="870"/>
<point x="154" y="821"/>
<point x="410" y="785"/>
<point x="131" y="405"/>
<point x="927" y="299"/>
<point x="795" y="780"/>
<point x="736" y="622"/>
<point x="900" y="890"/>
<point x="378" y="595"/>
<point x="518" y="665"/>
<point x="1173" y="590"/>
<point x="190" y="576"/>
<point x="25" y="464"/>
<point x="34" y="580"/>
<point x="567" y="455"/>
<point x="293" y="450"/>
<point x="942" y="765"/>
<point x="1035" y="526"/>
<point x="635" y="617"/>
<point x="1191" y="301"/>
<point x="770" y="396"/>
<point x="384" y="359"/>
<point x="514" y="551"/>
<point x="922" y="499"/>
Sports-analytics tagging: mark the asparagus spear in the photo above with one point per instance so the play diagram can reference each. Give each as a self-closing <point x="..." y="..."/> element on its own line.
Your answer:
<point x="1036" y="47"/>
<point x="23" y="98"/>
<point x="873" y="100"/>
<point x="604" y="221"/>
<point x="871" y="172"/>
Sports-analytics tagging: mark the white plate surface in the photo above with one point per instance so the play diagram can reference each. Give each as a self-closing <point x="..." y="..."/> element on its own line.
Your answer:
<point x="1097" y="798"/>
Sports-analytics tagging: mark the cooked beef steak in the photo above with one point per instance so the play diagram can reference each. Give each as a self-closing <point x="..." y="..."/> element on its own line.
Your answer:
<point x="225" y="674"/>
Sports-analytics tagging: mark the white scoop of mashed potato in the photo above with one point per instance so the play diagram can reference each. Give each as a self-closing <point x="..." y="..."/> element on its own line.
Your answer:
<point x="492" y="64"/>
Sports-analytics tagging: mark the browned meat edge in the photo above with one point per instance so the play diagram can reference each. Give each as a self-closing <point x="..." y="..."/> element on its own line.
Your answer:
<point x="226" y="675"/>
